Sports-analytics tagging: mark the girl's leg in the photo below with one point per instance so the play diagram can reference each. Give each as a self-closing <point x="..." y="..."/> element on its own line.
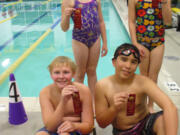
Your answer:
<point x="144" y="70"/>
<point x="93" y="58"/>
<point x="81" y="52"/>
<point x="144" y="65"/>
<point x="156" y="58"/>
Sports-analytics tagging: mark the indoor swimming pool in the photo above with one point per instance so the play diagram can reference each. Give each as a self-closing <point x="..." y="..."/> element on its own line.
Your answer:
<point x="31" y="37"/>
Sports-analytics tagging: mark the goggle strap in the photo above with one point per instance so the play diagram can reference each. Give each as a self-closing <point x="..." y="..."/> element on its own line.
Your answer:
<point x="131" y="51"/>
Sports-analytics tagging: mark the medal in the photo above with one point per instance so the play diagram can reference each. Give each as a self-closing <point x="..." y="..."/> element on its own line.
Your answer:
<point x="155" y="3"/>
<point x="77" y="103"/>
<point x="77" y="18"/>
<point x="131" y="105"/>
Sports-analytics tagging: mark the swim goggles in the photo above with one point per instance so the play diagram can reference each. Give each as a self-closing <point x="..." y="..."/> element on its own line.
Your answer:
<point x="127" y="52"/>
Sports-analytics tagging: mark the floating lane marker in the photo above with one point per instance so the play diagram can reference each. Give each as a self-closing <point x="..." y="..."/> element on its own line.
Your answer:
<point x="14" y="3"/>
<point x="6" y="73"/>
<point x="7" y="19"/>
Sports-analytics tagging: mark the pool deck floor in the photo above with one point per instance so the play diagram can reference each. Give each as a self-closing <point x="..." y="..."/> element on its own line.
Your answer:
<point x="169" y="82"/>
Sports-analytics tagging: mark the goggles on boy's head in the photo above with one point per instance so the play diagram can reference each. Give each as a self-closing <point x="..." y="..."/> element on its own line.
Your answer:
<point x="127" y="52"/>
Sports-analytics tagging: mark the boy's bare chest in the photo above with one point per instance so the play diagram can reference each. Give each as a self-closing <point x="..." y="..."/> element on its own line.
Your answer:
<point x="68" y="107"/>
<point x="112" y="91"/>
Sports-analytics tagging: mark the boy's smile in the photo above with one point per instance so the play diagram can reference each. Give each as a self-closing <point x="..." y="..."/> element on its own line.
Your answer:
<point x="125" y="65"/>
<point x="62" y="76"/>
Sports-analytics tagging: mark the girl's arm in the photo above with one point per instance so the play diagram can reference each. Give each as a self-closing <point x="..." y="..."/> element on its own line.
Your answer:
<point x="132" y="20"/>
<point x="66" y="11"/>
<point x="166" y="12"/>
<point x="102" y="29"/>
<point x="132" y="26"/>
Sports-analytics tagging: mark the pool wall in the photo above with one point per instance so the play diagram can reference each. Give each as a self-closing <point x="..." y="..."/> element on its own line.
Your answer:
<point x="121" y="7"/>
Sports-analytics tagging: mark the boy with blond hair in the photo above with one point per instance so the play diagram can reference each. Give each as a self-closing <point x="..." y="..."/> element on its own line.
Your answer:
<point x="66" y="106"/>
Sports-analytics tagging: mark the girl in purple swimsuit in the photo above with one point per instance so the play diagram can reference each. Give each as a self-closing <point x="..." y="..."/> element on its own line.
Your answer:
<point x="86" y="36"/>
<point x="146" y="25"/>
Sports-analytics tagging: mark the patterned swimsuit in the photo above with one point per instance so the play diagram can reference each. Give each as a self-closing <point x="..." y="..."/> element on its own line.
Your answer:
<point x="144" y="127"/>
<point x="90" y="29"/>
<point x="149" y="25"/>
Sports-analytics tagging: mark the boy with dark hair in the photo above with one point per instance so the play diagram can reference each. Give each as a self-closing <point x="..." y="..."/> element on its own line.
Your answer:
<point x="121" y="99"/>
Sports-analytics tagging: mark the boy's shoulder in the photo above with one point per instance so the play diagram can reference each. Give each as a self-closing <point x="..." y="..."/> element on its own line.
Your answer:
<point x="77" y="84"/>
<point x="141" y="78"/>
<point x="46" y="89"/>
<point x="105" y="80"/>
<point x="143" y="81"/>
<point x="81" y="86"/>
<point x="83" y="89"/>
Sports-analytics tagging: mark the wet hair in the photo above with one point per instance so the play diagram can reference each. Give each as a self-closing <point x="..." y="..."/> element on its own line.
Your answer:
<point x="62" y="61"/>
<point x="124" y="47"/>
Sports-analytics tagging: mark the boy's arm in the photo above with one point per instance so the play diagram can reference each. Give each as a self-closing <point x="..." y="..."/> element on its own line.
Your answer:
<point x="51" y="118"/>
<point x="169" y="109"/>
<point x="87" y="122"/>
<point x="105" y="114"/>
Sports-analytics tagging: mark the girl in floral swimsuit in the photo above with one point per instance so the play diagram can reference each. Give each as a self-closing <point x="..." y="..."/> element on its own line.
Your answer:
<point x="149" y="27"/>
<point x="146" y="26"/>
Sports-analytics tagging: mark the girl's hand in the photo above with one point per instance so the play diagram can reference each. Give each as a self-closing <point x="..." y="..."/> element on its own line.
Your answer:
<point x="104" y="50"/>
<point x="141" y="50"/>
<point x="66" y="126"/>
<point x="68" y="11"/>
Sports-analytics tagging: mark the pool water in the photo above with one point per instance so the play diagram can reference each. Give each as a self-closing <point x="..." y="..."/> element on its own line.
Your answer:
<point x="32" y="19"/>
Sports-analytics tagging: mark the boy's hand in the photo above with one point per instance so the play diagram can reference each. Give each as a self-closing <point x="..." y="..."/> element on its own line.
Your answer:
<point x="120" y="99"/>
<point x="66" y="126"/>
<point x="67" y="92"/>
